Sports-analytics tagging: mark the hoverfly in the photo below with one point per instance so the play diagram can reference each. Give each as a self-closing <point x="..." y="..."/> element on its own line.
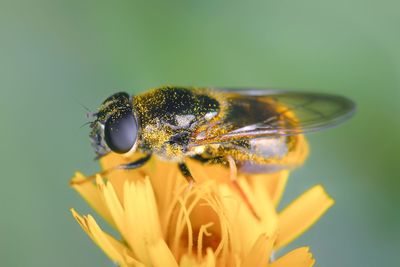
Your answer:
<point x="253" y="129"/>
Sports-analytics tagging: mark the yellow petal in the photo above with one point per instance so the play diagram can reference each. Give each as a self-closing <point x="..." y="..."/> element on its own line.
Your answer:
<point x="166" y="183"/>
<point x="161" y="255"/>
<point x="114" y="249"/>
<point x="93" y="197"/>
<point x="117" y="177"/>
<point x="202" y="172"/>
<point x="113" y="204"/>
<point x="300" y="257"/>
<point x="277" y="188"/>
<point x="301" y="214"/>
<point x="240" y="217"/>
<point x="141" y="222"/>
<point x="264" y="205"/>
<point x="273" y="184"/>
<point x="259" y="253"/>
<point x="136" y="217"/>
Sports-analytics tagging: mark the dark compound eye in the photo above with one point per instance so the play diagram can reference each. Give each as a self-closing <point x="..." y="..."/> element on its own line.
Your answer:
<point x="120" y="133"/>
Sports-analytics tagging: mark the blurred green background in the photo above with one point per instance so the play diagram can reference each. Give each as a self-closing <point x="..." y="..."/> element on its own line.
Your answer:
<point x="57" y="54"/>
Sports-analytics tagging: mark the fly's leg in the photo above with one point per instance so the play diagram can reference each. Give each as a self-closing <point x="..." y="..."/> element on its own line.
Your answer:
<point x="235" y="183"/>
<point x="188" y="176"/>
<point x="129" y="166"/>
<point x="232" y="169"/>
<point x="135" y="164"/>
<point x="208" y="160"/>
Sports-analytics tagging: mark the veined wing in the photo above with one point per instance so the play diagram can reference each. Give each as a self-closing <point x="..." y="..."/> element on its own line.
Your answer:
<point x="257" y="113"/>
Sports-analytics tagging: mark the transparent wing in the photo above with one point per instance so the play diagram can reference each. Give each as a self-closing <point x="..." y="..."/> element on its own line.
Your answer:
<point x="254" y="113"/>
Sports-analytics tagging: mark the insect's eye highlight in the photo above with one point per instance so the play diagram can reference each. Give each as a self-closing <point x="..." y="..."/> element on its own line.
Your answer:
<point x="120" y="132"/>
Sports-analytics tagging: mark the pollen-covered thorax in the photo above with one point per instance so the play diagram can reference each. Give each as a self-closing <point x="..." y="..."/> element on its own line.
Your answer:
<point x="170" y="118"/>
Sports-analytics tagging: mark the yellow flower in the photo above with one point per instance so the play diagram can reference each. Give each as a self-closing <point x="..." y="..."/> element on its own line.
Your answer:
<point x="163" y="224"/>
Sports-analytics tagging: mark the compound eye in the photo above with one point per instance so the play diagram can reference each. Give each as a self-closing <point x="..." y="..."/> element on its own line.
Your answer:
<point x="120" y="133"/>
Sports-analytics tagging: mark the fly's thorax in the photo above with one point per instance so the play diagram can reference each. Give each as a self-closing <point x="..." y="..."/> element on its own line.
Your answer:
<point x="171" y="153"/>
<point x="178" y="107"/>
<point x="157" y="138"/>
<point x="170" y="117"/>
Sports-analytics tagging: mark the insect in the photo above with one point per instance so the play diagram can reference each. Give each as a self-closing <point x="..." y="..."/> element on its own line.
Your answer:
<point x="253" y="129"/>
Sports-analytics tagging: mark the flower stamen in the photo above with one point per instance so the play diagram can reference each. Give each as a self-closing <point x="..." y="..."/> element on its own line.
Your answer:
<point x="236" y="185"/>
<point x="203" y="231"/>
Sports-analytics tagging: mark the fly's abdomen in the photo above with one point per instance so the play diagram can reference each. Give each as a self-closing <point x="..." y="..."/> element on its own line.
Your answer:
<point x="273" y="154"/>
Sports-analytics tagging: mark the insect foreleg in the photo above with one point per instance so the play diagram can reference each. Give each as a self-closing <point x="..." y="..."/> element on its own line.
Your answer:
<point x="205" y="160"/>
<point x="188" y="176"/>
<point x="135" y="164"/>
<point x="232" y="169"/>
